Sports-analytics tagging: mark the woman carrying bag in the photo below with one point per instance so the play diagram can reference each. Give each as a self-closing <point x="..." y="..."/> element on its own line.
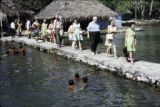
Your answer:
<point x="110" y="38"/>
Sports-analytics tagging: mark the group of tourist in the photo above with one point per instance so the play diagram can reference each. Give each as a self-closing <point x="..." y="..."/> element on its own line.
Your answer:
<point x="53" y="32"/>
<point x="130" y="39"/>
<point x="16" y="28"/>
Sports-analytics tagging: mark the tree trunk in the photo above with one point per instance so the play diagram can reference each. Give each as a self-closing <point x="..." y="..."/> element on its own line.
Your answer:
<point x="143" y="12"/>
<point x="150" y="11"/>
<point x="135" y="9"/>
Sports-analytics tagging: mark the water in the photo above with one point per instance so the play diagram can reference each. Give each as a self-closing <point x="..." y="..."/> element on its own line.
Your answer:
<point x="148" y="46"/>
<point x="41" y="79"/>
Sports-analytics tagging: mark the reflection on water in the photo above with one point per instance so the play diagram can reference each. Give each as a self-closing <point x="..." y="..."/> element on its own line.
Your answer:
<point x="40" y="80"/>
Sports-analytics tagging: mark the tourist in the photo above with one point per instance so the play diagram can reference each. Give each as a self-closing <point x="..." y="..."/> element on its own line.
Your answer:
<point x="71" y="33"/>
<point x="77" y="37"/>
<point x="61" y="32"/>
<point x="71" y="86"/>
<point x="51" y="31"/>
<point x="130" y="41"/>
<point x="93" y="32"/>
<point x="28" y="28"/>
<point x="19" y="27"/>
<point x="13" y="29"/>
<point x="44" y="30"/>
<point x="58" y="27"/>
<point x="28" y="25"/>
<point x="110" y="38"/>
<point x="35" y="28"/>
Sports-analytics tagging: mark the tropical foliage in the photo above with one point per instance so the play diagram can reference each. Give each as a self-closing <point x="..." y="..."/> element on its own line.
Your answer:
<point x="143" y="9"/>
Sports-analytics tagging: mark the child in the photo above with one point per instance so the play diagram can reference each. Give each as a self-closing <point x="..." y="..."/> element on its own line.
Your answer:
<point x="77" y="77"/>
<point x="22" y="50"/>
<point x="71" y="86"/>
<point x="85" y="80"/>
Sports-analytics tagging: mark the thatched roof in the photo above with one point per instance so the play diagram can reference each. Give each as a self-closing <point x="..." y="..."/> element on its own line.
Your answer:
<point x="11" y="9"/>
<point x="76" y="9"/>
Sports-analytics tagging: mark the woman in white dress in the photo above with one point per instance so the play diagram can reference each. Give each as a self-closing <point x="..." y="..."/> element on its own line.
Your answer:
<point x="77" y="37"/>
<point x="71" y="33"/>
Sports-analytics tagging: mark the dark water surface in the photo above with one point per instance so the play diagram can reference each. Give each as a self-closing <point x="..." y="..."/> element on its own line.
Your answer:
<point x="40" y="80"/>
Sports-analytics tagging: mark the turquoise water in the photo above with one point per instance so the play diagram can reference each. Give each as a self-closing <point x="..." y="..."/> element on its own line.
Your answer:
<point x="41" y="79"/>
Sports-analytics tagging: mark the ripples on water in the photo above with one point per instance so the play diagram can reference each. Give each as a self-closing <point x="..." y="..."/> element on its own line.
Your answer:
<point x="40" y="80"/>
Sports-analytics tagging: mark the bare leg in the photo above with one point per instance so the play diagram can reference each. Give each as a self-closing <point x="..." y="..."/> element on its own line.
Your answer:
<point x="131" y="57"/>
<point x="80" y="46"/>
<point x="73" y="44"/>
<point x="108" y="48"/>
<point x="115" y="52"/>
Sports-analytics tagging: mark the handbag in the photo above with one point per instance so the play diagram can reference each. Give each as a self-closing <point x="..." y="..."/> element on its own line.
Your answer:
<point x="109" y="36"/>
<point x="126" y="54"/>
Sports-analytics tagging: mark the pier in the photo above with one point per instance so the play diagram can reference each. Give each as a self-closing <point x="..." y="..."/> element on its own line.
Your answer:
<point x="142" y="71"/>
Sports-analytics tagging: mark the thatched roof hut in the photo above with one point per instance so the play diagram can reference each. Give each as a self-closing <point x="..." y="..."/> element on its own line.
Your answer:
<point x="11" y="9"/>
<point x="76" y="9"/>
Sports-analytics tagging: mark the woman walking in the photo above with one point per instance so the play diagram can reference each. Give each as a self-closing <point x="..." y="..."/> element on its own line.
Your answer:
<point x="77" y="37"/>
<point x="93" y="32"/>
<point x="71" y="33"/>
<point x="51" y="31"/>
<point x="44" y="29"/>
<point x="130" y="41"/>
<point x="110" y="39"/>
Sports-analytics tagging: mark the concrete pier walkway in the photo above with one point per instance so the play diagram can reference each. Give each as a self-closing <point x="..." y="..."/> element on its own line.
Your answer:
<point x="140" y="71"/>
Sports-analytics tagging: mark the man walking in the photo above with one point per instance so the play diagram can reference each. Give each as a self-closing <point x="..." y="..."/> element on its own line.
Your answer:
<point x="93" y="31"/>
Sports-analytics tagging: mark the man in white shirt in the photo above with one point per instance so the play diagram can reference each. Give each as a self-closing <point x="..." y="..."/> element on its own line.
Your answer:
<point x="13" y="29"/>
<point x="93" y="31"/>
<point x="13" y="25"/>
<point x="28" y="25"/>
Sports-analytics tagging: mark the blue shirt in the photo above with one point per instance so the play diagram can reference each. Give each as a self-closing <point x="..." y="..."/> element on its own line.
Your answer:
<point x="93" y="27"/>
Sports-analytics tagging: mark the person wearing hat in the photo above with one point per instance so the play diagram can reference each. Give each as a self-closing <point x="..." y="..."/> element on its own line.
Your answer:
<point x="93" y="32"/>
